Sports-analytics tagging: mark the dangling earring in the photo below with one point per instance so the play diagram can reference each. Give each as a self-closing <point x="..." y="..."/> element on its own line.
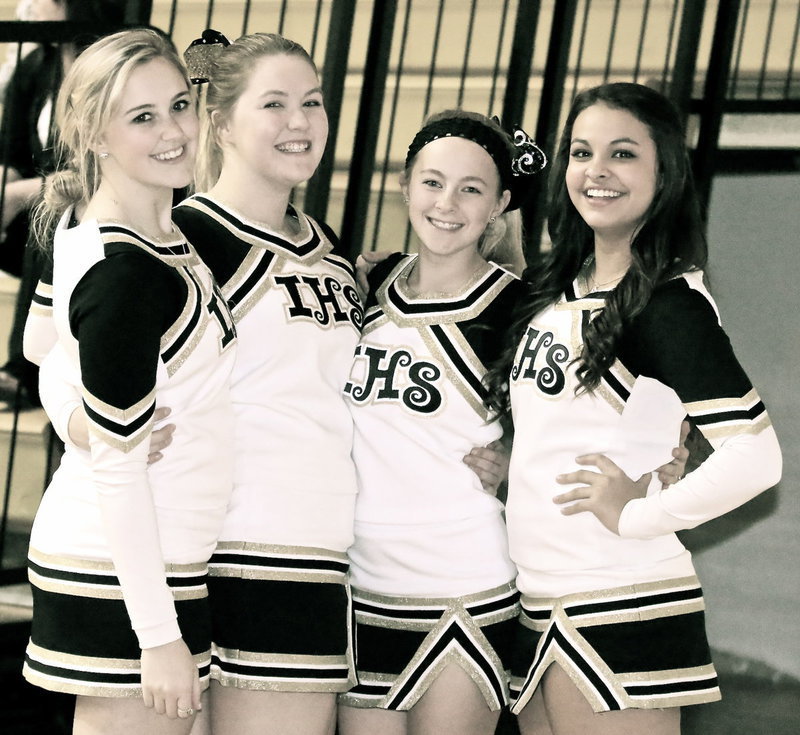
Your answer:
<point x="103" y="155"/>
<point x="405" y="200"/>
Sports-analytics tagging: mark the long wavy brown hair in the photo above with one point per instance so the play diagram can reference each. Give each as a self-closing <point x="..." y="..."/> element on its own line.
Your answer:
<point x="670" y="240"/>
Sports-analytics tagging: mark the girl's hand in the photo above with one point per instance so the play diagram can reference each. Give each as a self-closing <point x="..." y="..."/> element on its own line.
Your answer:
<point x="160" y="439"/>
<point x="490" y="464"/>
<point x="673" y="471"/>
<point x="604" y="493"/>
<point x="364" y="265"/>
<point x="170" y="682"/>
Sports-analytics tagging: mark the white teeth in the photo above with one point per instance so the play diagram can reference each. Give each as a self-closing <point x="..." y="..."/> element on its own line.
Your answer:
<point x="169" y="155"/>
<point x="293" y="147"/>
<point x="444" y="225"/>
<point x="603" y="193"/>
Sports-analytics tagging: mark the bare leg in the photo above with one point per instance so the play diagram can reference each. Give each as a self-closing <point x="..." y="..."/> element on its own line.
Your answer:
<point x="247" y="712"/>
<point x="202" y="719"/>
<point x="453" y="703"/>
<point x="358" y="721"/>
<point x="117" y="716"/>
<point x="569" y="713"/>
<point x="533" y="719"/>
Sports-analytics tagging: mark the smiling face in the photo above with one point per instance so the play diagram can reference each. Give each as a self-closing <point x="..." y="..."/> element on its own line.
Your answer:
<point x="151" y="137"/>
<point x="278" y="128"/>
<point x="453" y="189"/>
<point x="612" y="172"/>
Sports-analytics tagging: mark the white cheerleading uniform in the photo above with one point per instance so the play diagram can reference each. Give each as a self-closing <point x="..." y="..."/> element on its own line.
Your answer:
<point x="290" y="519"/>
<point x="424" y="524"/>
<point x="430" y="551"/>
<point x="673" y="359"/>
<point x="137" y="324"/>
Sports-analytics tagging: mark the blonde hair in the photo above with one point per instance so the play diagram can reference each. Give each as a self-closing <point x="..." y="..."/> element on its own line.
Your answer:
<point x="229" y="77"/>
<point x="88" y="97"/>
<point x="502" y="240"/>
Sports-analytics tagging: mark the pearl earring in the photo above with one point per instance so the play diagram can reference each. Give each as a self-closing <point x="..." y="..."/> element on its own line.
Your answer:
<point x="492" y="220"/>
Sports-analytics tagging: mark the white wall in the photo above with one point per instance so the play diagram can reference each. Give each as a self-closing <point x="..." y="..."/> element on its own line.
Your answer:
<point x="749" y="561"/>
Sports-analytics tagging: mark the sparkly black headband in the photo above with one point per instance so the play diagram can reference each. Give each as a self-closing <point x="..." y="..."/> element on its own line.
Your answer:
<point x="515" y="167"/>
<point x="202" y="54"/>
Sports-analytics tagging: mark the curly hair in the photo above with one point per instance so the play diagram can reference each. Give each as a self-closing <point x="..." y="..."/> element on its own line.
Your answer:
<point x="669" y="241"/>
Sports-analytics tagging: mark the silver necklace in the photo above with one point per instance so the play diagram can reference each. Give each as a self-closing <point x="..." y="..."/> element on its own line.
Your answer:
<point x="414" y="293"/>
<point x="588" y="277"/>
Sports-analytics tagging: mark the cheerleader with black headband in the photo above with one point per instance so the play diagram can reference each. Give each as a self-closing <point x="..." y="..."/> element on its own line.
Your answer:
<point x="433" y="586"/>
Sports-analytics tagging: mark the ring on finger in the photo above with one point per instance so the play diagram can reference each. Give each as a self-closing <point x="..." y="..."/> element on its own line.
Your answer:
<point x="188" y="712"/>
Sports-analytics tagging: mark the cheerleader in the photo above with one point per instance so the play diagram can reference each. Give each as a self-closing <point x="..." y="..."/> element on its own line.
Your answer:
<point x="616" y="339"/>
<point x="278" y="584"/>
<point x="433" y="585"/>
<point x="139" y="321"/>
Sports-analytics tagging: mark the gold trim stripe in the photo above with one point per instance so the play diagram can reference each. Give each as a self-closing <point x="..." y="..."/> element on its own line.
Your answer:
<point x="724" y="430"/>
<point x="104" y="591"/>
<point x="44" y="289"/>
<point x="280" y="660"/>
<point x="717" y="405"/>
<point x="277" y="573"/>
<point x="308" y="228"/>
<point x="156" y="249"/>
<point x="262" y="286"/>
<point x="287" y="684"/>
<point x="476" y="303"/>
<point x="667" y="676"/>
<point x="632" y="591"/>
<point x="82" y="663"/>
<point x="40" y="309"/>
<point x="298" y="552"/>
<point x="120" y="415"/>
<point x="453" y="375"/>
<point x="69" y="563"/>
<point x="388" y="601"/>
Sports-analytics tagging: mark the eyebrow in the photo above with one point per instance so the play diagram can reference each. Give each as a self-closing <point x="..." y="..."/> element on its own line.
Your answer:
<point x="613" y="142"/>
<point x="439" y="173"/>
<point x="281" y="93"/>
<point x="150" y="105"/>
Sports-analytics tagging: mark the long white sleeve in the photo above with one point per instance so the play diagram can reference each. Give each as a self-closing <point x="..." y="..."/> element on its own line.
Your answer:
<point x="59" y="391"/>
<point x="118" y="312"/>
<point x="40" y="331"/>
<point x="740" y="469"/>
<point x="678" y="341"/>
